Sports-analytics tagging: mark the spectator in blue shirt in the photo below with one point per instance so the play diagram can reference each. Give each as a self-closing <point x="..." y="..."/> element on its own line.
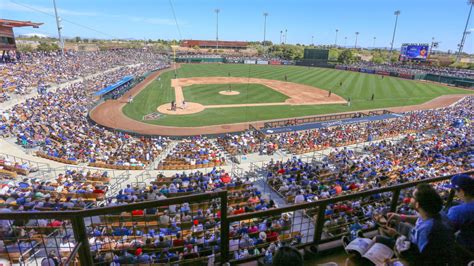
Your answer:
<point x="461" y="216"/>
<point x="431" y="237"/>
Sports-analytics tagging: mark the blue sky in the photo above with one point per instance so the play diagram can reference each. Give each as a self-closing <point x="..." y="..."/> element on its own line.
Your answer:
<point x="420" y="20"/>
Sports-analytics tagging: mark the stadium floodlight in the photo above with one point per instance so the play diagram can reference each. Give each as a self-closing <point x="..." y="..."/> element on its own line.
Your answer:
<point x="58" y="24"/>
<point x="335" y="42"/>
<point x="265" y="15"/>
<point x="355" y="45"/>
<point x="373" y="45"/>
<point x="217" y="27"/>
<point x="396" y="13"/>
<point x="345" y="41"/>
<point x="281" y="37"/>
<point x="464" y="33"/>
<point x="312" y="40"/>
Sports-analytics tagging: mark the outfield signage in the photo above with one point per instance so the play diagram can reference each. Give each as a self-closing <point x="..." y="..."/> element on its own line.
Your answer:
<point x="249" y="62"/>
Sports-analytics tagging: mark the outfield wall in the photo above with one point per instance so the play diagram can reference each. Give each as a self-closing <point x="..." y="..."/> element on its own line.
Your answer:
<point x="453" y="81"/>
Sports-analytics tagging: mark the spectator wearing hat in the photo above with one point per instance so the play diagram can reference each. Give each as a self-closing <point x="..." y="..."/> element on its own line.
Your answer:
<point x="461" y="216"/>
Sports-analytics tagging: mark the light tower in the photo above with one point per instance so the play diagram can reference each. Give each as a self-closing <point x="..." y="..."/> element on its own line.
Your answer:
<point x="355" y="45"/>
<point x="265" y="15"/>
<point x="58" y="24"/>
<point x="335" y="42"/>
<point x="396" y="13"/>
<point x="464" y="33"/>
<point x="217" y="28"/>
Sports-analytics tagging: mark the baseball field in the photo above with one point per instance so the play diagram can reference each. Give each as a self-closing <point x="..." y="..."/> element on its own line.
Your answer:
<point x="264" y="92"/>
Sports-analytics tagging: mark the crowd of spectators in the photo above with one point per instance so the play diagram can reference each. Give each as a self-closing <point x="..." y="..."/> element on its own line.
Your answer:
<point x="73" y="189"/>
<point x="442" y="150"/>
<point x="179" y="231"/>
<point x="414" y="69"/>
<point x="440" y="144"/>
<point x="57" y="122"/>
<point x="191" y="153"/>
<point x="299" y="142"/>
<point x="40" y="69"/>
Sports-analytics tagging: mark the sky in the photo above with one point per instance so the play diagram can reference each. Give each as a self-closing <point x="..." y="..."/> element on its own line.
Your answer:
<point x="243" y="20"/>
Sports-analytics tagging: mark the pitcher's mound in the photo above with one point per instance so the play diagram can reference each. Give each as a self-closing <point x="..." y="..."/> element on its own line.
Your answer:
<point x="190" y="108"/>
<point x="229" y="92"/>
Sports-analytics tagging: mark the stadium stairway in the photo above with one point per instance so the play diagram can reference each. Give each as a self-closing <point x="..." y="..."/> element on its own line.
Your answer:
<point x="171" y="145"/>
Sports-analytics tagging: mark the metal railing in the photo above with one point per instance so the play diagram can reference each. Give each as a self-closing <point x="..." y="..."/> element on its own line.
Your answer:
<point x="34" y="166"/>
<point x="80" y="223"/>
<point x="319" y="118"/>
<point x="315" y="230"/>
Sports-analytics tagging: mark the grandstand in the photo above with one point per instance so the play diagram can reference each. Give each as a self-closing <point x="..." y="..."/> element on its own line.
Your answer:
<point x="305" y="182"/>
<point x="138" y="156"/>
<point x="7" y="37"/>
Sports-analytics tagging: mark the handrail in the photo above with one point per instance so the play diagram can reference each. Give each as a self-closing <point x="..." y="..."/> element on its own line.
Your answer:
<point x="270" y="212"/>
<point x="73" y="254"/>
<point x="322" y="204"/>
<point x="77" y="217"/>
<point x="310" y="119"/>
<point x="112" y="209"/>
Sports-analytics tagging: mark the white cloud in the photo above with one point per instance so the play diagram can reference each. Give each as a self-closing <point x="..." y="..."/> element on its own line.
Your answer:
<point x="6" y="5"/>
<point x="20" y="7"/>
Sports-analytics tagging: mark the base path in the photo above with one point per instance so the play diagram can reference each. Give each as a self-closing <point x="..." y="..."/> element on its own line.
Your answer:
<point x="298" y="94"/>
<point x="109" y="114"/>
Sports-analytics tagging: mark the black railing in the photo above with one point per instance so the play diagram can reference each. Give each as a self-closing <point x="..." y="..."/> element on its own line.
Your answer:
<point x="304" y="120"/>
<point x="320" y="206"/>
<point x="81" y="222"/>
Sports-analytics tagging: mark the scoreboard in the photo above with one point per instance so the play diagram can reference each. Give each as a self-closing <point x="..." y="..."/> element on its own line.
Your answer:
<point x="414" y="51"/>
<point x="315" y="54"/>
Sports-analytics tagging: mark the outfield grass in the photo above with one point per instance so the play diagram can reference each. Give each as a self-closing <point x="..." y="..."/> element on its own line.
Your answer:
<point x="389" y="92"/>
<point x="208" y="94"/>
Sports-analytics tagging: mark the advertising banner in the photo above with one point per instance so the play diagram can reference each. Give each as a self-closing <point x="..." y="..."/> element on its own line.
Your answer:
<point x="365" y="70"/>
<point x="405" y="76"/>
<point x="385" y="73"/>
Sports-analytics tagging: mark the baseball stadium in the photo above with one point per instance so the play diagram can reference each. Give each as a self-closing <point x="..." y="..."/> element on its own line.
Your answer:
<point x="212" y="142"/>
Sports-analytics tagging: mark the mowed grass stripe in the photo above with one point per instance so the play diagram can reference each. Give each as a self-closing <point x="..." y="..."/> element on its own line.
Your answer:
<point x="326" y="79"/>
